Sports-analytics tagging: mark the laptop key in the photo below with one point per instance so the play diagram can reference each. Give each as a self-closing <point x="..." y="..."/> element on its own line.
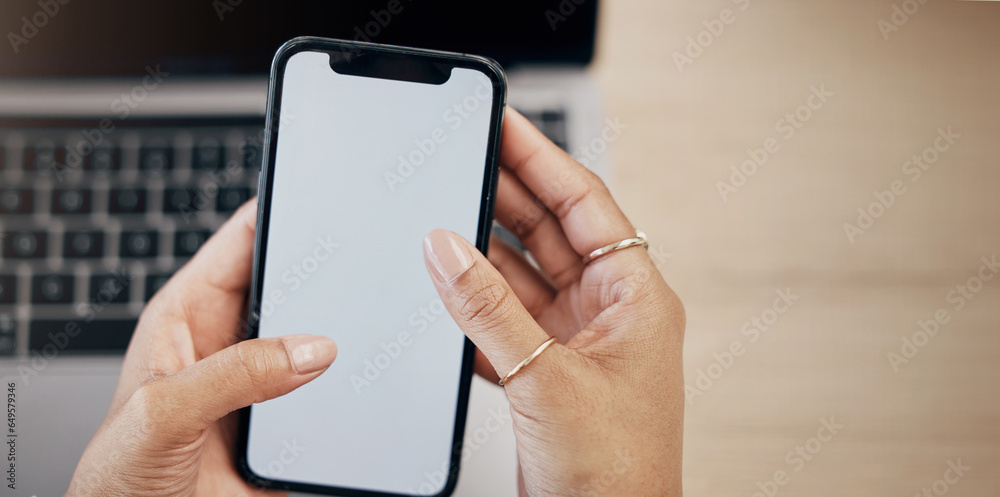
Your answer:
<point x="252" y="157"/>
<point x="52" y="289"/>
<point x="109" y="288"/>
<point x="139" y="244"/>
<point x="71" y="201"/>
<point x="154" y="282"/>
<point x="25" y="245"/>
<point x="552" y="115"/>
<point x="207" y="154"/>
<point x="230" y="199"/>
<point x="44" y="158"/>
<point x="83" y="244"/>
<point x="156" y="155"/>
<point x="8" y="334"/>
<point x="20" y="201"/>
<point x="186" y="243"/>
<point x="179" y="200"/>
<point x="8" y="289"/>
<point x="127" y="201"/>
<point x="99" y="335"/>
<point x="103" y="159"/>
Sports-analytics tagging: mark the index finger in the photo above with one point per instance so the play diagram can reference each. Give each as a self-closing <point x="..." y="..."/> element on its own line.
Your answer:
<point x="579" y="199"/>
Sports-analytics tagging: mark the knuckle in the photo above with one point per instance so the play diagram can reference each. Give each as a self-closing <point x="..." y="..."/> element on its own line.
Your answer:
<point x="487" y="306"/>
<point x="595" y="182"/>
<point x="646" y="298"/>
<point x="584" y="184"/>
<point x="629" y="288"/>
<point x="253" y="365"/>
<point x="528" y="219"/>
<point x="151" y="408"/>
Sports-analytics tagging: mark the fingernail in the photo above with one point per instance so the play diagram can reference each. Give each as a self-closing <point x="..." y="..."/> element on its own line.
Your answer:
<point x="310" y="353"/>
<point x="447" y="254"/>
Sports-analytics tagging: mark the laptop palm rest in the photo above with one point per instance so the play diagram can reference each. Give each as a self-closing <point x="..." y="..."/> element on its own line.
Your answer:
<point x="56" y="413"/>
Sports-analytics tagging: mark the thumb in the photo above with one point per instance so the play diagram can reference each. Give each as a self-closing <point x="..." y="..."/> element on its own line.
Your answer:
<point x="481" y="302"/>
<point x="245" y="373"/>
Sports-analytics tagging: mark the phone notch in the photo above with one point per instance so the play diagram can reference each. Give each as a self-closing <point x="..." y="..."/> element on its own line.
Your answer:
<point x="397" y="67"/>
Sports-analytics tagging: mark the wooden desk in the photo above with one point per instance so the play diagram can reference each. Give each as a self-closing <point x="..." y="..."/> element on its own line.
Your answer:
<point x="826" y="356"/>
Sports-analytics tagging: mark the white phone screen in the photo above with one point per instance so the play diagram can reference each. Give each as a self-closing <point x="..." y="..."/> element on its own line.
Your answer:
<point x="364" y="169"/>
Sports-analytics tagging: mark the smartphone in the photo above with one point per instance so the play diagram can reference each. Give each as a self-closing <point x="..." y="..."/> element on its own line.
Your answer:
<point x="368" y="148"/>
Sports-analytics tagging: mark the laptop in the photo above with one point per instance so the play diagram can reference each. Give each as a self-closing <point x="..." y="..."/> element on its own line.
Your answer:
<point x="130" y="131"/>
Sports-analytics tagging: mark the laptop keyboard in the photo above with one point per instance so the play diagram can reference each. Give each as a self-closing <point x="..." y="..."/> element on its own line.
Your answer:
<point x="94" y="222"/>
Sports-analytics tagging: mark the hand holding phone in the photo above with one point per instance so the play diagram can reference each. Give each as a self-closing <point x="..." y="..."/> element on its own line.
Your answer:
<point x="169" y="430"/>
<point x="598" y="414"/>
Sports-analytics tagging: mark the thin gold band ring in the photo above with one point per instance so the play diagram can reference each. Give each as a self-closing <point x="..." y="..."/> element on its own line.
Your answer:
<point x="640" y="239"/>
<point x="541" y="348"/>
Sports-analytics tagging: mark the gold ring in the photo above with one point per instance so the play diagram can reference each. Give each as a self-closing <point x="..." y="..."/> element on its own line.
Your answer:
<point x="541" y="348"/>
<point x="640" y="239"/>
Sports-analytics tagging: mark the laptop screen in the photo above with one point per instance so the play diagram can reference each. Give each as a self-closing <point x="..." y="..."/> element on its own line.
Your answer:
<point x="122" y="37"/>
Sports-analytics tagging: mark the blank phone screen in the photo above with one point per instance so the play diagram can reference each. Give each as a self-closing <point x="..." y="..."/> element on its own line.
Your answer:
<point x="364" y="168"/>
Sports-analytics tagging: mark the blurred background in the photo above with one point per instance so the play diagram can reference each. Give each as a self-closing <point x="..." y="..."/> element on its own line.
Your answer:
<point x="893" y="81"/>
<point x="816" y="179"/>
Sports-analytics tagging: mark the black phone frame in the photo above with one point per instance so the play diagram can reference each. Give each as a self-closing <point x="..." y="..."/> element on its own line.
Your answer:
<point x="491" y="174"/>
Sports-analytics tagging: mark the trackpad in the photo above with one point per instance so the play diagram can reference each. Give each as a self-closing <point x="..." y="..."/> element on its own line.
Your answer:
<point x="50" y="419"/>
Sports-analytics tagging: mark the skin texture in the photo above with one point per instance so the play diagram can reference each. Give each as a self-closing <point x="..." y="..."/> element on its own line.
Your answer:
<point x="600" y="412"/>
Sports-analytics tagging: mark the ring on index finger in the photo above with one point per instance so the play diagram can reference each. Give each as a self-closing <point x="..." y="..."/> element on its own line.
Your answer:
<point x="639" y="239"/>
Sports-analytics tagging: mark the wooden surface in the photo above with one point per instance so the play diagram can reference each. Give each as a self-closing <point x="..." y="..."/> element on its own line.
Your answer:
<point x="827" y="355"/>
